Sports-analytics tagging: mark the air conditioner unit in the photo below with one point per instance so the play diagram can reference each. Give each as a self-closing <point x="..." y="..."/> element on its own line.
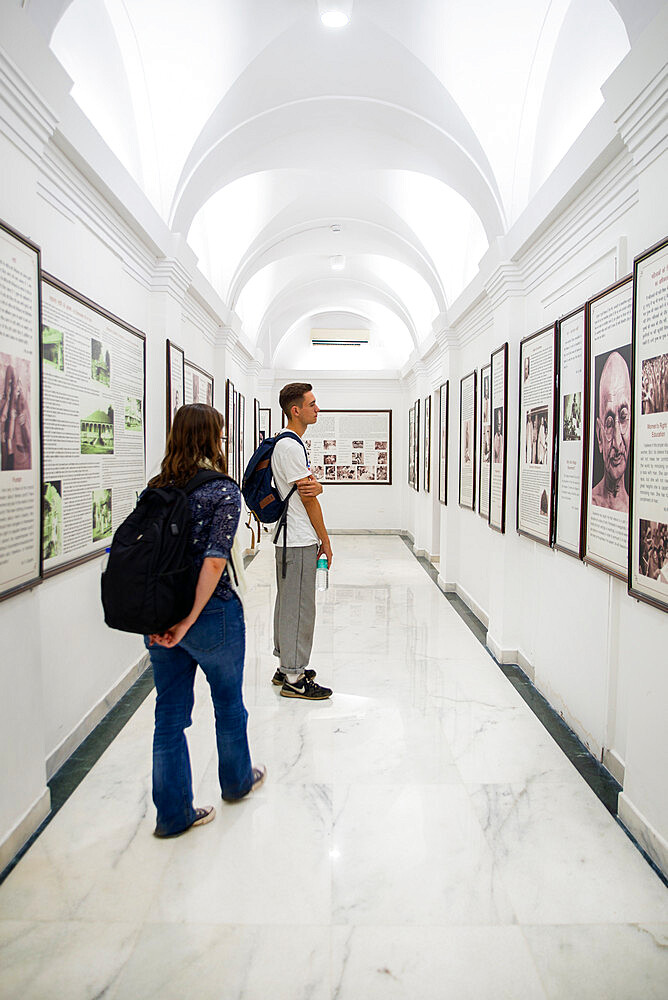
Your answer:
<point x="340" y="338"/>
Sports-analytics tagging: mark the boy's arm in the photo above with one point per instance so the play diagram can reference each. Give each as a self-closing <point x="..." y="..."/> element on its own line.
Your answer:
<point x="314" y="512"/>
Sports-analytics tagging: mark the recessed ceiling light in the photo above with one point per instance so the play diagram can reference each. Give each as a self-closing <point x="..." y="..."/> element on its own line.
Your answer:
<point x="334" y="18"/>
<point x="336" y="228"/>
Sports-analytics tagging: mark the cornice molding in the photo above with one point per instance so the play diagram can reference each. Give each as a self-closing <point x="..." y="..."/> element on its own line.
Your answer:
<point x="27" y="120"/>
<point x="642" y="125"/>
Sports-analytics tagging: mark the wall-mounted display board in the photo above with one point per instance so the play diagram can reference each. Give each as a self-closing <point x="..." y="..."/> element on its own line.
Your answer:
<point x="414" y="445"/>
<point x="485" y="441"/>
<point x="499" y="410"/>
<point x="20" y="408"/>
<point x="608" y="485"/>
<point x="230" y="435"/>
<point x="265" y="424"/>
<point x="93" y="419"/>
<point x="351" y="447"/>
<point x="535" y="467"/>
<point x="256" y="423"/>
<point x="241" y="437"/>
<point x="426" y="478"/>
<point x="572" y="406"/>
<point x="467" y="436"/>
<point x="198" y="385"/>
<point x="176" y="380"/>
<point x="648" y="534"/>
<point x="443" y="415"/>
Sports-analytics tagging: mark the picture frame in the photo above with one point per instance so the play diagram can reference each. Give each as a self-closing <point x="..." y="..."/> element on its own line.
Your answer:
<point x="351" y="447"/>
<point x="648" y="510"/>
<point x="485" y="441"/>
<point x="229" y="436"/>
<point x="198" y="384"/>
<point x="265" y="422"/>
<point x="426" y="477"/>
<point x="443" y="418"/>
<point x="536" y="435"/>
<point x="609" y="345"/>
<point x="22" y="500"/>
<point x="176" y="379"/>
<point x="572" y="422"/>
<point x="467" y="440"/>
<point x="499" y="405"/>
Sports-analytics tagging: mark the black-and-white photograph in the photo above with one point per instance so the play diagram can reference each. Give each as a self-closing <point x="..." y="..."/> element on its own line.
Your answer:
<point x="497" y="447"/>
<point x="346" y="472"/>
<point x="653" y="550"/>
<point x="572" y="410"/>
<point x="318" y="471"/>
<point x="15" y="429"/>
<point x="612" y="429"/>
<point x="97" y="430"/>
<point x="655" y="384"/>
<point x="485" y="397"/>
<point x="355" y="444"/>
<point x="468" y="438"/>
<point x="537" y="444"/>
<point x="101" y="508"/>
<point x="53" y="348"/>
<point x="100" y="362"/>
<point x="381" y="458"/>
<point x="52" y="519"/>
<point x="133" y="417"/>
<point x="381" y="445"/>
<point x="330" y="472"/>
<point x="328" y="444"/>
<point x="358" y="458"/>
<point x="381" y="473"/>
<point x="366" y="472"/>
<point x="330" y="458"/>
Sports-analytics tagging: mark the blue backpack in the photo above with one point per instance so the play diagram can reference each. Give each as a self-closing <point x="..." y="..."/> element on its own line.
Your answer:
<point x="260" y="492"/>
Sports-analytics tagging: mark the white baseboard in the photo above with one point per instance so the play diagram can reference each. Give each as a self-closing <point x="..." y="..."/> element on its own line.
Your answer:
<point x="503" y="655"/>
<point x="472" y="605"/>
<point x="25" y="828"/>
<point x="421" y="553"/>
<point x="445" y="586"/>
<point x="649" y="839"/>
<point x="57" y="758"/>
<point x="615" y="765"/>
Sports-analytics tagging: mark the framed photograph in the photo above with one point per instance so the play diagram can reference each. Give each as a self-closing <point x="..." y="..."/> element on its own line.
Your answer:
<point x="426" y="479"/>
<point x="351" y="447"/>
<point x="609" y="330"/>
<point x="94" y="430"/>
<point x="648" y="533"/>
<point x="256" y="423"/>
<point x="443" y="416"/>
<point x="535" y="466"/>
<point x="467" y="437"/>
<point x="20" y="413"/>
<point x="499" y="410"/>
<point x="198" y="384"/>
<point x="229" y="428"/>
<point x="176" y="379"/>
<point x="572" y="410"/>
<point x="485" y="440"/>
<point x="265" y="424"/>
<point x="241" y="439"/>
<point x="416" y="446"/>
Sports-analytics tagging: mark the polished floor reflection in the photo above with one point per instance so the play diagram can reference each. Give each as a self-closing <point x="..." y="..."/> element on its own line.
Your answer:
<point x="420" y="835"/>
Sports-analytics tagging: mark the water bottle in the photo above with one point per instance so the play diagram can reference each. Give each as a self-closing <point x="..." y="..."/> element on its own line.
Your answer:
<point x="322" y="574"/>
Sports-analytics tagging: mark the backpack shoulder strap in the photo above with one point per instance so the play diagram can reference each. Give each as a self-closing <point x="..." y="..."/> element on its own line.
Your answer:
<point x="295" y="437"/>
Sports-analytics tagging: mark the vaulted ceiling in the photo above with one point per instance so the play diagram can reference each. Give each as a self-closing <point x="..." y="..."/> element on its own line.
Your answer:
<point x="406" y="142"/>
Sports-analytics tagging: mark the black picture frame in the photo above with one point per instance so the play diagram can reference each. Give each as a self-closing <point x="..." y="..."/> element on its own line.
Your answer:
<point x="468" y="406"/>
<point x="18" y="244"/>
<point x="499" y="448"/>
<point x="426" y="477"/>
<point x="173" y="400"/>
<point x="546" y="403"/>
<point x="443" y="442"/>
<point x="356" y="472"/>
<point x="209" y="381"/>
<point x="566" y="427"/>
<point x="485" y="422"/>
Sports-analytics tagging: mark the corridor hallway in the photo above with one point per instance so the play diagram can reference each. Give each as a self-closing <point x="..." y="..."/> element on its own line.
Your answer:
<point x="419" y="836"/>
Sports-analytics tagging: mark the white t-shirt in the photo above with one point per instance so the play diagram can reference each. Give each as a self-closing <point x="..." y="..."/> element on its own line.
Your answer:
<point x="288" y="464"/>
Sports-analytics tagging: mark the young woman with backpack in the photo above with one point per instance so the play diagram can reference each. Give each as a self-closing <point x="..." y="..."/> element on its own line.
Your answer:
<point x="211" y="635"/>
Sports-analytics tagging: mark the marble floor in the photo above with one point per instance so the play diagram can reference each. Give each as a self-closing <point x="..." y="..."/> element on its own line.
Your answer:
<point x="419" y="836"/>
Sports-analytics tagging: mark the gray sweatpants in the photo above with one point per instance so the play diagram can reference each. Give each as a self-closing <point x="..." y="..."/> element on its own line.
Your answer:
<point x="294" y="612"/>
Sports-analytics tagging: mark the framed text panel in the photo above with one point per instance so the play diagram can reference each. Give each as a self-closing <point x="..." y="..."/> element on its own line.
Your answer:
<point x="648" y="534"/>
<point x="467" y="436"/>
<point x="176" y="379"/>
<point x="572" y="408"/>
<point x="499" y="408"/>
<point x="198" y="384"/>
<point x="609" y="328"/>
<point x="443" y="416"/>
<point x="351" y="447"/>
<point x="426" y="478"/>
<point x="485" y="441"/>
<point x="94" y="432"/>
<point x="535" y="469"/>
<point x="20" y="414"/>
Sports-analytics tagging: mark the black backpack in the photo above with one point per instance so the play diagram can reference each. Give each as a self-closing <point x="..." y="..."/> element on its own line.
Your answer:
<point x="150" y="579"/>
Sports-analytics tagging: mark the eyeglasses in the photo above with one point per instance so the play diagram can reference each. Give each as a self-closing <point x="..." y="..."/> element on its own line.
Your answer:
<point x="622" y="419"/>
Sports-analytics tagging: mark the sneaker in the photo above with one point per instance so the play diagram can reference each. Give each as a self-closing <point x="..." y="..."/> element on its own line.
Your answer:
<point x="203" y="815"/>
<point x="279" y="676"/>
<point x="305" y="688"/>
<point x="259" y="774"/>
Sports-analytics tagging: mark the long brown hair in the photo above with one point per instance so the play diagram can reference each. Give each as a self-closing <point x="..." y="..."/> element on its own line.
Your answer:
<point x="193" y="443"/>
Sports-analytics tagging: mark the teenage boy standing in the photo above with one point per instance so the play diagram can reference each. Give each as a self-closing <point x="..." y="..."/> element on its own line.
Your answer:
<point x="307" y="539"/>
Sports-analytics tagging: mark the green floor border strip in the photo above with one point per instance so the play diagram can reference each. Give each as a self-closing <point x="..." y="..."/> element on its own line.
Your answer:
<point x="599" y="779"/>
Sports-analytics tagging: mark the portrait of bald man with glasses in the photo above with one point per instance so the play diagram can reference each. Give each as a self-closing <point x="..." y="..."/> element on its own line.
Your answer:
<point x="613" y="427"/>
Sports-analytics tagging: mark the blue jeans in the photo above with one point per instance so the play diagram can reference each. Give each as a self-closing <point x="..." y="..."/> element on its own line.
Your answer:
<point x="216" y="641"/>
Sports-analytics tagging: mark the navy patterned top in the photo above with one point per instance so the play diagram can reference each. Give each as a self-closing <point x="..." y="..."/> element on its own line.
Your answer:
<point x="215" y="508"/>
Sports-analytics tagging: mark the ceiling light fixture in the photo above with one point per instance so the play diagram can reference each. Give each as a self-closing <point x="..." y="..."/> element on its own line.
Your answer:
<point x="334" y="18"/>
<point x="337" y="262"/>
